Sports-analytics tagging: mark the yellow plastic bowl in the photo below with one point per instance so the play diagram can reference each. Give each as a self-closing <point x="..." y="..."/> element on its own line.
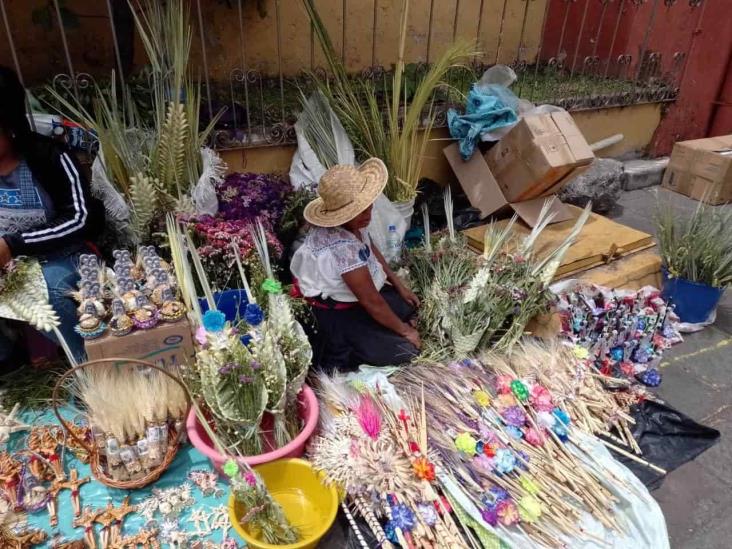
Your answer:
<point x="309" y="505"/>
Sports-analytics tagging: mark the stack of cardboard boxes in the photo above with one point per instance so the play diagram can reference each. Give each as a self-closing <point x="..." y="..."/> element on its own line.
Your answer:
<point x="534" y="161"/>
<point x="702" y="169"/>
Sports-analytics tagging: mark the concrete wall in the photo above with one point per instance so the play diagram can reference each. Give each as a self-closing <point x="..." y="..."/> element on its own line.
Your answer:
<point x="636" y="123"/>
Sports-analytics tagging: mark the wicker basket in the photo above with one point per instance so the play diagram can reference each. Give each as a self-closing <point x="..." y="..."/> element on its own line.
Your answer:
<point x="95" y="460"/>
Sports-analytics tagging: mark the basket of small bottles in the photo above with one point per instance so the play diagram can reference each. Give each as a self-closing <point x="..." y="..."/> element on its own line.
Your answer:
<point x="133" y="295"/>
<point x="136" y="413"/>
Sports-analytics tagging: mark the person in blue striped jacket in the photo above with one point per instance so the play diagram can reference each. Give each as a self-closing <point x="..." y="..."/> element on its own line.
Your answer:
<point x="46" y="212"/>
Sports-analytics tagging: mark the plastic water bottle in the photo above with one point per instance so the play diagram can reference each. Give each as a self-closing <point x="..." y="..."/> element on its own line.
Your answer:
<point x="393" y="243"/>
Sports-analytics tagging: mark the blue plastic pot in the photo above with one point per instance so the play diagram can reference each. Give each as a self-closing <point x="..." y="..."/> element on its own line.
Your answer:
<point x="694" y="302"/>
<point x="230" y="302"/>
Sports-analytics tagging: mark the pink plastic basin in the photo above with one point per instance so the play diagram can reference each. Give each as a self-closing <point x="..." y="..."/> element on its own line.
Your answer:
<point x="308" y="408"/>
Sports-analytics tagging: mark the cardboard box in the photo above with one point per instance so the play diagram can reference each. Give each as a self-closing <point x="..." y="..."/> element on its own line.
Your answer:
<point x="702" y="169"/>
<point x="484" y="193"/>
<point x="169" y="343"/>
<point x="537" y="154"/>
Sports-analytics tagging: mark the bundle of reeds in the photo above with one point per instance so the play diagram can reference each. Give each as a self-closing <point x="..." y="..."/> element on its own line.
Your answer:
<point x="471" y="302"/>
<point x="697" y="247"/>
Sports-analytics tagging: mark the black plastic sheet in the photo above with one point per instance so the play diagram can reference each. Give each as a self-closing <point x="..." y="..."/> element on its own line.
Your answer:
<point x="668" y="439"/>
<point x="342" y="536"/>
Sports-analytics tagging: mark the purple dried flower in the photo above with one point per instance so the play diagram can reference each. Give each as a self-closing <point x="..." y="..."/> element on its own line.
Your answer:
<point x="490" y="516"/>
<point x="227" y="368"/>
<point x="249" y="196"/>
<point x="402" y="517"/>
<point x="499" y="493"/>
<point x="514" y="415"/>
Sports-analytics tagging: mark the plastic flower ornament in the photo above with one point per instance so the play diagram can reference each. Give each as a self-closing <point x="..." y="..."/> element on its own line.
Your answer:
<point x="546" y="419"/>
<point x="616" y="353"/>
<point x="214" y="321"/>
<point x="541" y="398"/>
<point x="651" y="377"/>
<point x="465" y="443"/>
<point x="505" y="461"/>
<point x="581" y="352"/>
<point x="562" y="416"/>
<point x="272" y="286"/>
<point x="231" y="468"/>
<point x="514" y="432"/>
<point x="490" y="516"/>
<point x="498" y="494"/>
<point x="519" y="390"/>
<point x="253" y="314"/>
<point x="424" y="469"/>
<point x="560" y="429"/>
<point x="529" y="485"/>
<point x="428" y="513"/>
<point x="483" y="463"/>
<point x="503" y="385"/>
<point x="529" y="508"/>
<point x="534" y="437"/>
<point x="504" y="401"/>
<point x="201" y="336"/>
<point x="402" y="517"/>
<point x="514" y="415"/>
<point x="482" y="398"/>
<point x="250" y="478"/>
<point x="507" y="513"/>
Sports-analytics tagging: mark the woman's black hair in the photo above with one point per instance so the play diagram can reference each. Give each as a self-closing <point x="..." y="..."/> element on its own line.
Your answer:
<point x="13" y="118"/>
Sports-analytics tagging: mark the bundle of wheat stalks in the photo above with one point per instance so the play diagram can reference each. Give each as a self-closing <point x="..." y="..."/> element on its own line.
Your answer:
<point x="131" y="410"/>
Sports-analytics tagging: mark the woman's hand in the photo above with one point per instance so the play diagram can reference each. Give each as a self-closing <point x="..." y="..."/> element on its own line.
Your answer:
<point x="5" y="255"/>
<point x="412" y="335"/>
<point x="408" y="295"/>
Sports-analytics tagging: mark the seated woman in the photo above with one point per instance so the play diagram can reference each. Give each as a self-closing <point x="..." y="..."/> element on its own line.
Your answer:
<point x="46" y="212"/>
<point x="362" y="309"/>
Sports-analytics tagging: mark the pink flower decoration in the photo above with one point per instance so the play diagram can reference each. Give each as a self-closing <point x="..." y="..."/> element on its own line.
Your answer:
<point x="541" y="398"/>
<point x="534" y="437"/>
<point x="507" y="513"/>
<point x="483" y="463"/>
<point x="250" y="478"/>
<point x="503" y="385"/>
<point x="505" y="401"/>
<point x="201" y="336"/>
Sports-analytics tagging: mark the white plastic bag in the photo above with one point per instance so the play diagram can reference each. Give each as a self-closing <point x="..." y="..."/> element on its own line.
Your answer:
<point x="306" y="170"/>
<point x="116" y="207"/>
<point x="503" y="75"/>
<point x="204" y="191"/>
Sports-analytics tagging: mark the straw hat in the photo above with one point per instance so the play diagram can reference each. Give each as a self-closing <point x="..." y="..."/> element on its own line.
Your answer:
<point x="345" y="191"/>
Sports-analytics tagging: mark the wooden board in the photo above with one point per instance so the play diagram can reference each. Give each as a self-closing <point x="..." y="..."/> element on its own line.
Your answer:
<point x="630" y="273"/>
<point x="600" y="242"/>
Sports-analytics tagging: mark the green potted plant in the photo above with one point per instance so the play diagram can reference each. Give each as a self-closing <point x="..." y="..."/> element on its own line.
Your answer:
<point x="696" y="252"/>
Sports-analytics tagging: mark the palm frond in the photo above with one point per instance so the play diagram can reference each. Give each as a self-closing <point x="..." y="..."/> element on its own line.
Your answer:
<point x="142" y="200"/>
<point x="696" y="247"/>
<point x="400" y="135"/>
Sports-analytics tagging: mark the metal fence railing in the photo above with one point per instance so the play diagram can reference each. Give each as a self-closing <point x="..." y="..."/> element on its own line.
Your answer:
<point x="254" y="58"/>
